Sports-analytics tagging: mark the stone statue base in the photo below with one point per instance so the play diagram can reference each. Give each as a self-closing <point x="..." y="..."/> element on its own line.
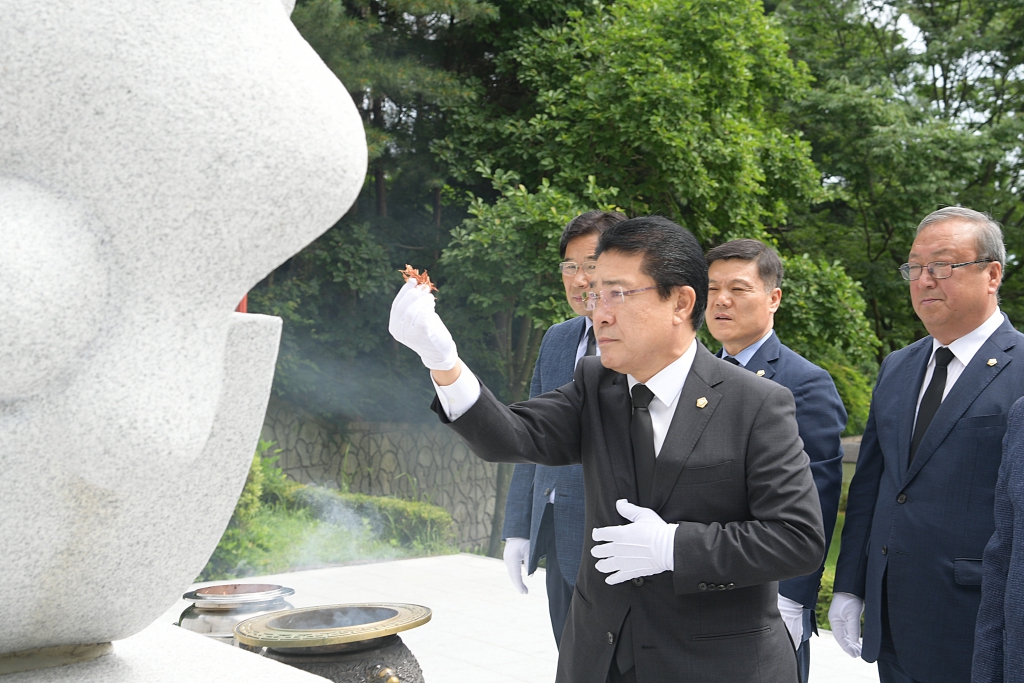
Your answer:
<point x="164" y="653"/>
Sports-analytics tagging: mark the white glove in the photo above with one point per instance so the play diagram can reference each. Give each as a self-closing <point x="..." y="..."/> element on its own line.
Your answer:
<point x="516" y="555"/>
<point x="844" y="617"/>
<point x="414" y="323"/>
<point x="642" y="548"/>
<point x="793" y="616"/>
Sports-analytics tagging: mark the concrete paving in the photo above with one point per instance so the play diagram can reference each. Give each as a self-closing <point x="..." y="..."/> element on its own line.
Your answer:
<point x="482" y="630"/>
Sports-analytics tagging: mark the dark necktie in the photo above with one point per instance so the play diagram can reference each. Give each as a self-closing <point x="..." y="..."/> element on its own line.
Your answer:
<point x="591" y="342"/>
<point x="641" y="432"/>
<point x="932" y="398"/>
<point x="730" y="359"/>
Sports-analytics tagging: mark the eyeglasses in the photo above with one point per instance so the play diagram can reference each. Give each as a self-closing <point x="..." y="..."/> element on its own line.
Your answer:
<point x="570" y="268"/>
<point x="939" y="270"/>
<point x="611" y="298"/>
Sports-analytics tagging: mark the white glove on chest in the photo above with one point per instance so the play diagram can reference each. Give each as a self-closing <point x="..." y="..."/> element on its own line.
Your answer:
<point x="644" y="547"/>
<point x="414" y="323"/>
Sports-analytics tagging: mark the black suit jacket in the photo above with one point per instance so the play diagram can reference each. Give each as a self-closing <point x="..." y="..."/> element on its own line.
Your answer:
<point x="731" y="473"/>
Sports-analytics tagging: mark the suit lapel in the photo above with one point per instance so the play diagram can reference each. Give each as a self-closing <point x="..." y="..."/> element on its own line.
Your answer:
<point x="616" y="413"/>
<point x="688" y="423"/>
<point x="972" y="381"/>
<point x="762" y="363"/>
<point x="566" y="361"/>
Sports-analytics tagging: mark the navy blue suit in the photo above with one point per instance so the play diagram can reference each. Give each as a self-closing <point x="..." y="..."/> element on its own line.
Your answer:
<point x="821" y="418"/>
<point x="531" y="485"/>
<point x="999" y="637"/>
<point x="923" y="525"/>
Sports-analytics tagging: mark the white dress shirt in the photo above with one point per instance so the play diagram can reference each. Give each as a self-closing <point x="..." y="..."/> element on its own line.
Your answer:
<point x="963" y="350"/>
<point x="746" y="354"/>
<point x="667" y="385"/>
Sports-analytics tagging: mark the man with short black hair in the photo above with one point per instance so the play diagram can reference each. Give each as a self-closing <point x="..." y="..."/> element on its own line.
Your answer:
<point x="723" y="503"/>
<point x="744" y="292"/>
<point x="544" y="508"/>
<point x="920" y="507"/>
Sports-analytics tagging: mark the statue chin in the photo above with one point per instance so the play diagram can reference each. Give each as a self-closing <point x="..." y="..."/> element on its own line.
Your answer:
<point x="155" y="163"/>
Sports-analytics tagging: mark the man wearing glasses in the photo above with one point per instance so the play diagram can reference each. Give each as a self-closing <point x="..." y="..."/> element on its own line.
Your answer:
<point x="699" y="497"/>
<point x="920" y="506"/>
<point x="544" y="508"/>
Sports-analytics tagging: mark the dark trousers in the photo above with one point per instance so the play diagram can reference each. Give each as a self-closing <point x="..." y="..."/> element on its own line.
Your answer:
<point x="889" y="668"/>
<point x="803" y="653"/>
<point x="559" y="590"/>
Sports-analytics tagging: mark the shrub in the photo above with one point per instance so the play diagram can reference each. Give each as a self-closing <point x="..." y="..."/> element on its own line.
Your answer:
<point x="281" y="525"/>
<point x="414" y="524"/>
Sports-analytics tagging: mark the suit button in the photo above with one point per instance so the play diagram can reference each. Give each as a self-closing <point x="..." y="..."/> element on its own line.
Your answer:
<point x="901" y="499"/>
<point x="547" y="492"/>
<point x="703" y="586"/>
<point x="731" y="586"/>
<point x="611" y="638"/>
<point x="638" y="581"/>
<point x="721" y="586"/>
<point x="885" y="550"/>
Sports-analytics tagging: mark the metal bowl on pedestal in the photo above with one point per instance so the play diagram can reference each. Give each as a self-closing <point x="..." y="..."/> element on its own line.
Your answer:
<point x="216" y="610"/>
<point x="352" y="643"/>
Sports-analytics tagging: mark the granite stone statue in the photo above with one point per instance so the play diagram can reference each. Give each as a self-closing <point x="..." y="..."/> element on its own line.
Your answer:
<point x="156" y="161"/>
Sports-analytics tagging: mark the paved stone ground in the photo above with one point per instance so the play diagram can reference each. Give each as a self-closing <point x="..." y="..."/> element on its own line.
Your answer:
<point x="482" y="631"/>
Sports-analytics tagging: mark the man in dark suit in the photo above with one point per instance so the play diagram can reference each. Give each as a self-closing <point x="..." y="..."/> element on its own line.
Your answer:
<point x="724" y="503"/>
<point x="544" y="508"/>
<point x="999" y="636"/>
<point x="919" y="510"/>
<point x="744" y="291"/>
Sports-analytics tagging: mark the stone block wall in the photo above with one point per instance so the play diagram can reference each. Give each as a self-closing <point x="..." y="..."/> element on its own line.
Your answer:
<point x="425" y="462"/>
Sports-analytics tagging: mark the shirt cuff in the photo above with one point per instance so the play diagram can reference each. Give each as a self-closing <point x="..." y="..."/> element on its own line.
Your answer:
<point x="460" y="395"/>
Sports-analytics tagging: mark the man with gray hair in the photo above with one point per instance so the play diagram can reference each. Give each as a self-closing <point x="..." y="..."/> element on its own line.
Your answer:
<point x="920" y="506"/>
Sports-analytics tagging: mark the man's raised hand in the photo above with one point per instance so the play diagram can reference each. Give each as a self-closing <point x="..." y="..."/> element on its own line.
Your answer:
<point x="414" y="323"/>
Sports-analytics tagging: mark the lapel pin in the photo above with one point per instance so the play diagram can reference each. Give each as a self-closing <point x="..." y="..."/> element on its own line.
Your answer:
<point x="701" y="402"/>
<point x="991" y="362"/>
<point x="759" y="373"/>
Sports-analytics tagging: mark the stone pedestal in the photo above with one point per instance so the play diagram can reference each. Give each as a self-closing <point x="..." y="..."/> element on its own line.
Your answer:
<point x="162" y="653"/>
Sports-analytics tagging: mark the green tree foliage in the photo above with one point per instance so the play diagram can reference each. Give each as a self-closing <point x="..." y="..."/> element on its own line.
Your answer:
<point x="673" y="103"/>
<point x="915" y="106"/>
<point x="502" y="265"/>
<point x="822" y="318"/>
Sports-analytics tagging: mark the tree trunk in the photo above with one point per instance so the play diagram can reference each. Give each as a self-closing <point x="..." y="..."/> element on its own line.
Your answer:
<point x="437" y="207"/>
<point x="504" y="478"/>
<point x="381" y="189"/>
<point x="379" y="185"/>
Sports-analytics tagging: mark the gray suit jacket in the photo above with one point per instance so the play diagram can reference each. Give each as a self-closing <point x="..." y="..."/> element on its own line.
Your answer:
<point x="732" y="474"/>
<point x="532" y="484"/>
